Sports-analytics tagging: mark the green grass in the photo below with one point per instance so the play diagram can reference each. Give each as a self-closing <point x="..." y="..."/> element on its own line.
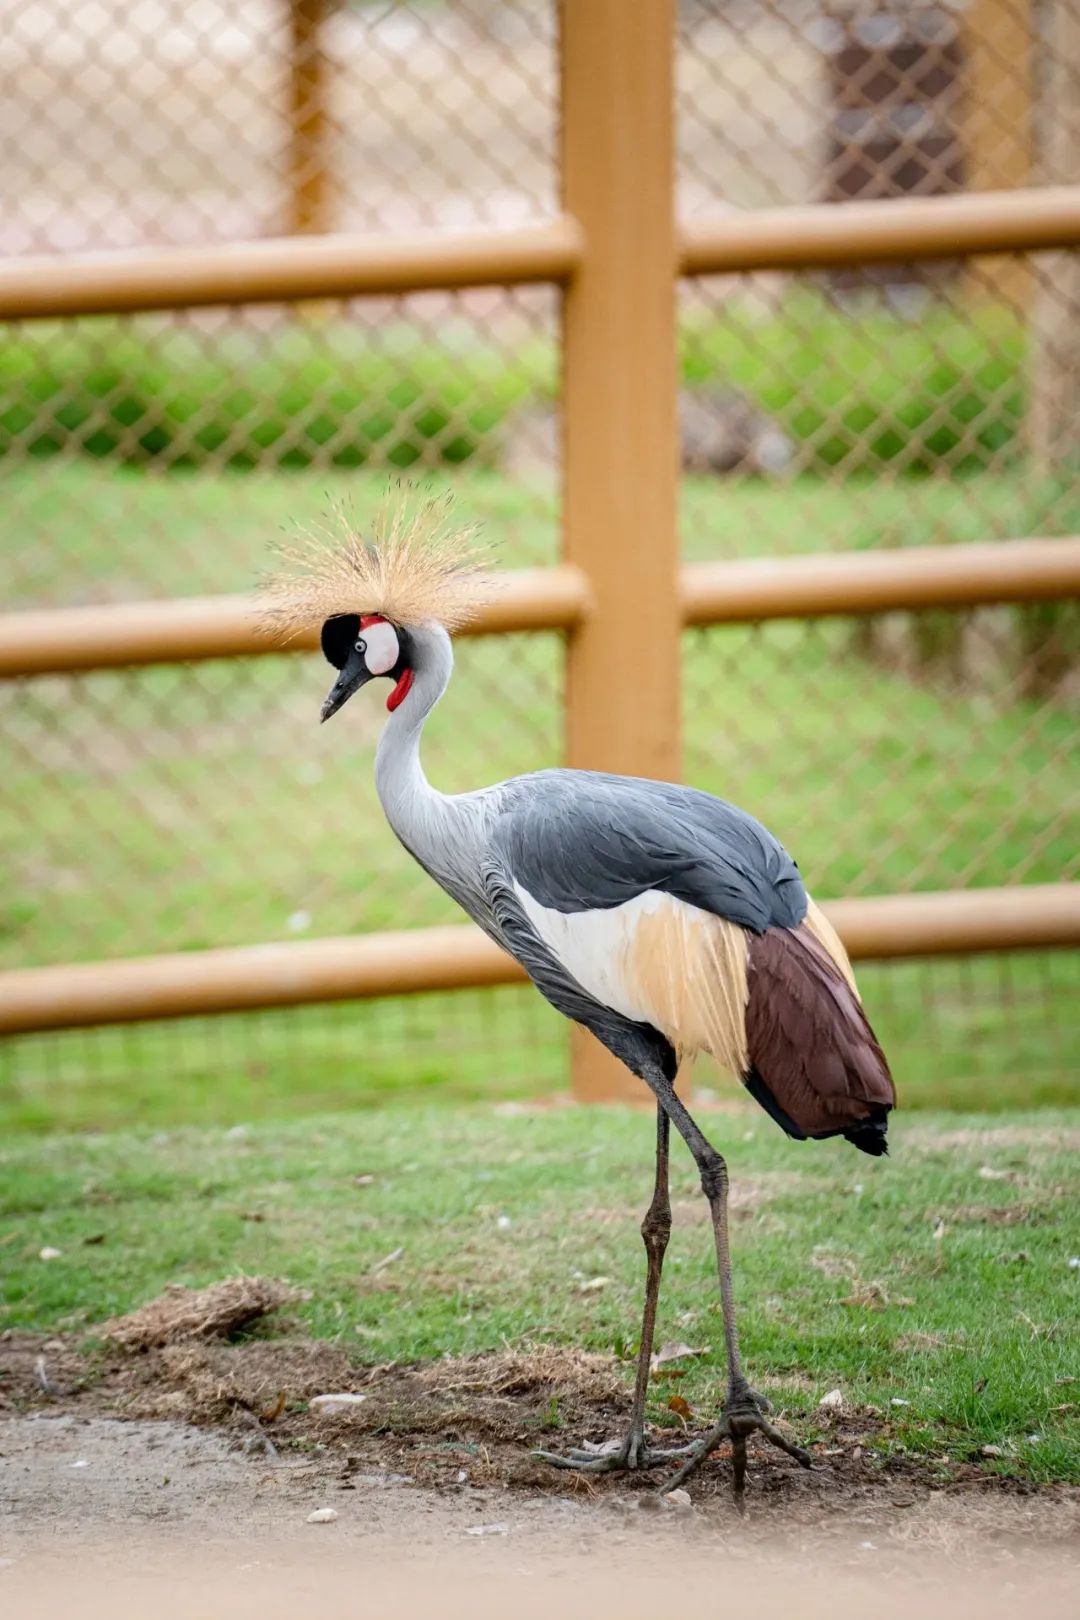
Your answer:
<point x="102" y="532"/>
<point x="94" y="532"/>
<point x="920" y="1279"/>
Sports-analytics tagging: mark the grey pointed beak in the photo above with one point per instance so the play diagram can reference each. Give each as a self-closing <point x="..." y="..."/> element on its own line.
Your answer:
<point x="355" y="675"/>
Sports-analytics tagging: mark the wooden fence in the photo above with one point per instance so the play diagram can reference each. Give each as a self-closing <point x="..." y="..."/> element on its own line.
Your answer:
<point x="616" y="251"/>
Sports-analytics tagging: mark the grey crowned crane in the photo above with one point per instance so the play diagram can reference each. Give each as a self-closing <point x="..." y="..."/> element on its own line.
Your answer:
<point x="662" y="919"/>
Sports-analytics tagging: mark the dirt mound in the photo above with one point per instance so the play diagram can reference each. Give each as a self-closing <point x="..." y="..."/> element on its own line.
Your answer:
<point x="217" y="1312"/>
<point x="484" y="1414"/>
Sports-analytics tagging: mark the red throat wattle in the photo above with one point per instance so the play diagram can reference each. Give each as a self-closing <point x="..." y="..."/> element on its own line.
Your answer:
<point x="400" y="691"/>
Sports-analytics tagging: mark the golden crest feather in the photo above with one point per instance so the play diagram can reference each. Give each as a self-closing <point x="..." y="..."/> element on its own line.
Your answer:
<point x="414" y="564"/>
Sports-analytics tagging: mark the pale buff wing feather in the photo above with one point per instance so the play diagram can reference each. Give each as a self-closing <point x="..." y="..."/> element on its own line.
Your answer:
<point x="658" y="960"/>
<point x="690" y="969"/>
<point x="826" y="936"/>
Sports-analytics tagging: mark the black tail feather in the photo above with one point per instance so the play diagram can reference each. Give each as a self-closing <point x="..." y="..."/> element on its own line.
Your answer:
<point x="868" y="1135"/>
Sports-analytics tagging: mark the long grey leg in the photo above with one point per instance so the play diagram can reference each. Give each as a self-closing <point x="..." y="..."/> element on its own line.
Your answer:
<point x="743" y="1410"/>
<point x="714" y="1184"/>
<point x="655" y="1232"/>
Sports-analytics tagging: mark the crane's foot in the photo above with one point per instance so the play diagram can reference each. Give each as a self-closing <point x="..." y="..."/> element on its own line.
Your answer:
<point x="633" y="1454"/>
<point x="744" y="1413"/>
<point x="617" y="1456"/>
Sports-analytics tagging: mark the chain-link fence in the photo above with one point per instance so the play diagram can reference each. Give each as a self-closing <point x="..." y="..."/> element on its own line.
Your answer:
<point x="190" y="806"/>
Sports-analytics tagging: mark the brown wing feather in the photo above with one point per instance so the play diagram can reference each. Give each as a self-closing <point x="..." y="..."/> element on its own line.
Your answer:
<point x="808" y="1037"/>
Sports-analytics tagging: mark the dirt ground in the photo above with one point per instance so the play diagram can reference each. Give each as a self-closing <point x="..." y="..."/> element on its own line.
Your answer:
<point x="103" y="1517"/>
<point x="444" y="1424"/>
<point x="186" y="1475"/>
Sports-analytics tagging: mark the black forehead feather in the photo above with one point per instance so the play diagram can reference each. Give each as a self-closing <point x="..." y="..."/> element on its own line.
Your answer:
<point x="339" y="638"/>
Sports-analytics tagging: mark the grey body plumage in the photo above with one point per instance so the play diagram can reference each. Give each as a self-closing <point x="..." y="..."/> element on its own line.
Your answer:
<point x="579" y="840"/>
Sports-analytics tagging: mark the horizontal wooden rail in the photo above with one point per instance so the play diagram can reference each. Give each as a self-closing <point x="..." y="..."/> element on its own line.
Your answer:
<point x="195" y="983"/>
<point x="117" y="635"/>
<point x="837" y="582"/>
<point x="816" y="236"/>
<point x="247" y="977"/>
<point x="1036" y="916"/>
<point x="355" y="265"/>
<point x="53" y="641"/>
<point x="285" y="268"/>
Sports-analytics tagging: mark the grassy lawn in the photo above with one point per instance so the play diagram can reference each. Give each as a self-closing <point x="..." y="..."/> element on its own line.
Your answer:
<point x="101" y="532"/>
<point x="939" y="1286"/>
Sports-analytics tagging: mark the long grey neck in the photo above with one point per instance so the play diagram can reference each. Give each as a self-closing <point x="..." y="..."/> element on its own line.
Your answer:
<point x="416" y="811"/>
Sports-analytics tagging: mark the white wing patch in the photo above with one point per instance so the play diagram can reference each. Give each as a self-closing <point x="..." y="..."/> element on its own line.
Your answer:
<point x="660" y="961"/>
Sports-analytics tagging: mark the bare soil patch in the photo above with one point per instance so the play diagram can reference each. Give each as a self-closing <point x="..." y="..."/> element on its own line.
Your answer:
<point x="107" y="1519"/>
<point x="988" y="1215"/>
<point x="195" y="1478"/>
<point x="454" y="1422"/>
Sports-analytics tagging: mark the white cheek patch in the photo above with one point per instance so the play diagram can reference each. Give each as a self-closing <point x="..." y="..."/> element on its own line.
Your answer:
<point x="382" y="648"/>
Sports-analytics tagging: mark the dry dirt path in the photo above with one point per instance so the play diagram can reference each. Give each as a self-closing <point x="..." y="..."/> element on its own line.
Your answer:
<point x="106" y="1518"/>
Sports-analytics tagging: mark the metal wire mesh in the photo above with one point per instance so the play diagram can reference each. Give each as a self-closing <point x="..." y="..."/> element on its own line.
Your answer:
<point x="213" y="790"/>
<point x="904" y="405"/>
<point x="794" y="101"/>
<point x="887" y="422"/>
<point x="186" y="807"/>
<point x="130" y="124"/>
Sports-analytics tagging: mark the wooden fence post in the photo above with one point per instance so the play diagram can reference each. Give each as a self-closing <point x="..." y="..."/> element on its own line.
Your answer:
<point x="309" y="186"/>
<point x="1055" y="369"/>
<point x="999" y="131"/>
<point x="620" y="449"/>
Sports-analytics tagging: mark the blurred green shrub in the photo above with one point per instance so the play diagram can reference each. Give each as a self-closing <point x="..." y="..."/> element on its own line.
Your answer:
<point x="312" y="392"/>
<point x="855" y="391"/>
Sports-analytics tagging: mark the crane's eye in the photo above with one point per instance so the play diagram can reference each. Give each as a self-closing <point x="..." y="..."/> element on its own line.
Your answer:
<point x="361" y="645"/>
